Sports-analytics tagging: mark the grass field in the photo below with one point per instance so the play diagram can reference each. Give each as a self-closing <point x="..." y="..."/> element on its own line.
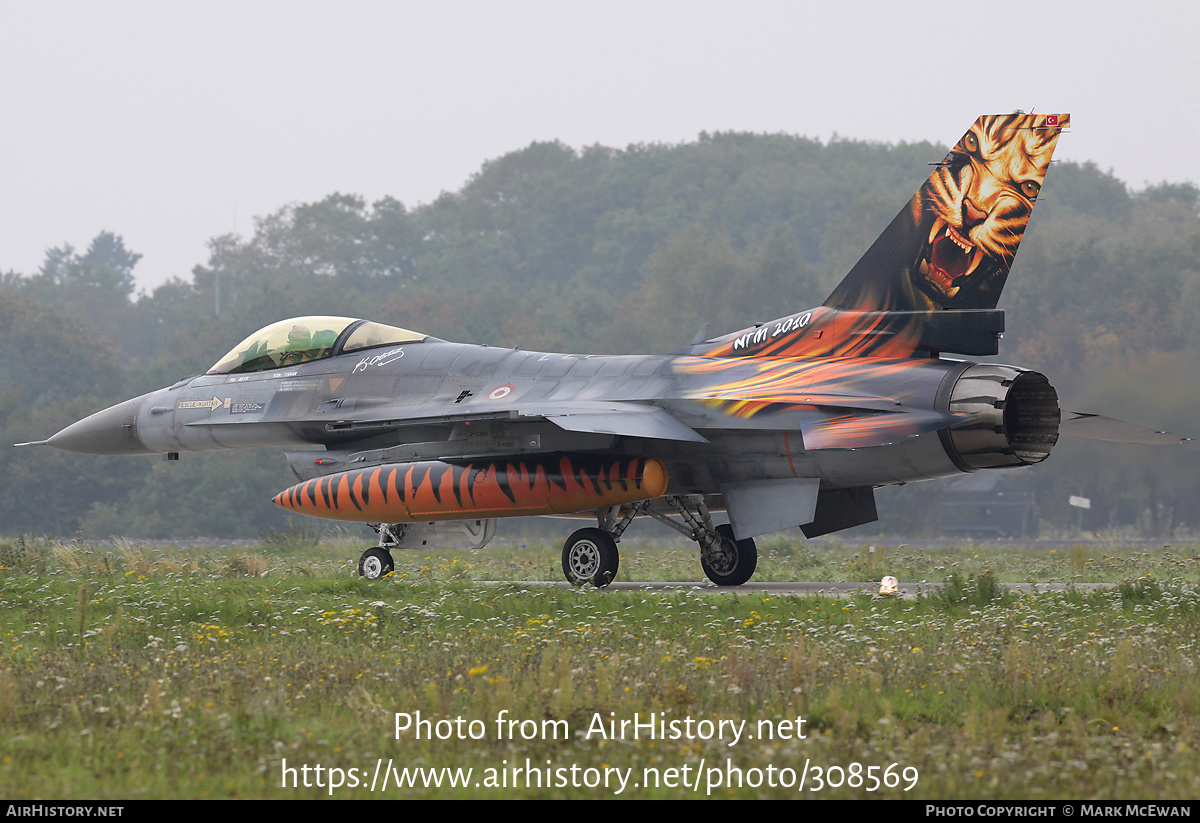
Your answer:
<point x="134" y="671"/>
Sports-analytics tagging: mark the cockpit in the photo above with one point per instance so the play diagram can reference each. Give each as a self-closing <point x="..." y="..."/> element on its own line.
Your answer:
<point x="304" y="339"/>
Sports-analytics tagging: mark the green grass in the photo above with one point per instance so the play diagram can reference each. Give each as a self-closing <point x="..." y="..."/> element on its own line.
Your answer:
<point x="130" y="671"/>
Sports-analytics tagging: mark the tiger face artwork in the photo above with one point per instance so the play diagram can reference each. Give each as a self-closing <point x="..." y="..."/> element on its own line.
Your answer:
<point x="951" y="247"/>
<point x="975" y="207"/>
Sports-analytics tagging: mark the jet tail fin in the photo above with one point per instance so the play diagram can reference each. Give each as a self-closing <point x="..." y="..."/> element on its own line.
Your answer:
<point x="931" y="281"/>
<point x="952" y="246"/>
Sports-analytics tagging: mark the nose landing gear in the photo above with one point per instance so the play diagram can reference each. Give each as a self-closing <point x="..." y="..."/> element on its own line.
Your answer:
<point x="375" y="563"/>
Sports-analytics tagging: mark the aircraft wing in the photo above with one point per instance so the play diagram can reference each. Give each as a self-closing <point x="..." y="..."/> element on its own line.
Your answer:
<point x="619" y="418"/>
<point x="854" y="429"/>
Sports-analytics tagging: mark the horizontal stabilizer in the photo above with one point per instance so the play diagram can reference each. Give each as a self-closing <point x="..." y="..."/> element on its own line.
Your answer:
<point x="857" y="431"/>
<point x="1097" y="427"/>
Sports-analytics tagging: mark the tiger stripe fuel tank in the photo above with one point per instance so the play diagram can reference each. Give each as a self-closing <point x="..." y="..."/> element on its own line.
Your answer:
<point x="433" y="490"/>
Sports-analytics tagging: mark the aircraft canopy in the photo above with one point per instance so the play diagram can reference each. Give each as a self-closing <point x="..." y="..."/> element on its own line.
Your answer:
<point x="302" y="339"/>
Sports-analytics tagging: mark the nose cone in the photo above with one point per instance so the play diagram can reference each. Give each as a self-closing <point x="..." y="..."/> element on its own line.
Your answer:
<point x="112" y="431"/>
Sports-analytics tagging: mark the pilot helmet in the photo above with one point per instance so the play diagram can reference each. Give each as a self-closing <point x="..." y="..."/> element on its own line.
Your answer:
<point x="299" y="337"/>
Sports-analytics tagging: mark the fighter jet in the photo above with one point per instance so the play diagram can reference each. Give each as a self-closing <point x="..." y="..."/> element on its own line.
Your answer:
<point x="790" y="423"/>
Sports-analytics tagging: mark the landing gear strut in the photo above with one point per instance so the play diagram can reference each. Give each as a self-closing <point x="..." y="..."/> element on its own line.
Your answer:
<point x="591" y="556"/>
<point x="726" y="561"/>
<point x="377" y="561"/>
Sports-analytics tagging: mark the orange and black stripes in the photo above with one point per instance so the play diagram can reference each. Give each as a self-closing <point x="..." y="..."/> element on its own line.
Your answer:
<point x="434" y="490"/>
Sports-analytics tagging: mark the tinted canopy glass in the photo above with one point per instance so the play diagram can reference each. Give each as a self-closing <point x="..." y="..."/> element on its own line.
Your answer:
<point x="302" y="339"/>
<point x="368" y="335"/>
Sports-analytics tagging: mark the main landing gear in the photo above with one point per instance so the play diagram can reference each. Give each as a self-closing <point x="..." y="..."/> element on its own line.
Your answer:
<point x="726" y="561"/>
<point x="591" y="556"/>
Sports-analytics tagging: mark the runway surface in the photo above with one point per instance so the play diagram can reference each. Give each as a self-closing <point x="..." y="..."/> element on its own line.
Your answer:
<point x="907" y="590"/>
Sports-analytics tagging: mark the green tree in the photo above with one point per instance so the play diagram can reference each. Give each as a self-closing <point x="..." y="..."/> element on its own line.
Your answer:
<point x="101" y="276"/>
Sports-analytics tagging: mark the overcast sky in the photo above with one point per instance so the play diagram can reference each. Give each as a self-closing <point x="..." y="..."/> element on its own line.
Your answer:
<point x="169" y="123"/>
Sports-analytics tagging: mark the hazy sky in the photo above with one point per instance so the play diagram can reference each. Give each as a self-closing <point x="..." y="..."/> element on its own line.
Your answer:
<point x="169" y="122"/>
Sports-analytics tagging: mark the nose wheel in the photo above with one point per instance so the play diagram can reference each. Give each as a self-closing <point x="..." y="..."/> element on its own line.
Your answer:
<point x="590" y="556"/>
<point x="375" y="563"/>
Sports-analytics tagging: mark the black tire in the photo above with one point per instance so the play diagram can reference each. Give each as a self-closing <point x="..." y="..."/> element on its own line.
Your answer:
<point x="734" y="563"/>
<point x="375" y="563"/>
<point x="590" y="556"/>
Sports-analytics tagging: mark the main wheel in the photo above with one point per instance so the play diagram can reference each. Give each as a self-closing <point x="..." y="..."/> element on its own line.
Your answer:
<point x="590" y="556"/>
<point x="375" y="563"/>
<point x="729" y="562"/>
